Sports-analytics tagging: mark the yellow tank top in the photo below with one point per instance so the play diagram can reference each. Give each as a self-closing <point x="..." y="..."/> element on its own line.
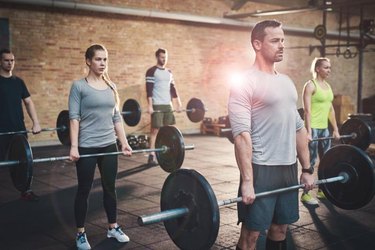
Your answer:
<point x="321" y="102"/>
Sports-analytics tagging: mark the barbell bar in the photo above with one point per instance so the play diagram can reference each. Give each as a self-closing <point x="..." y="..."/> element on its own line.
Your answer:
<point x="351" y="136"/>
<point x="164" y="149"/>
<point x="190" y="211"/>
<point x="178" y="212"/>
<point x="62" y="128"/>
<point x="227" y="131"/>
<point x="30" y="131"/>
<point x="131" y="111"/>
<point x="159" y="111"/>
<point x="170" y="153"/>
<point x="354" y="131"/>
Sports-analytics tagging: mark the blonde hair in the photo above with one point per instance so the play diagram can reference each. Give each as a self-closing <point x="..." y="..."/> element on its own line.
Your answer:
<point x="316" y="63"/>
<point x="90" y="53"/>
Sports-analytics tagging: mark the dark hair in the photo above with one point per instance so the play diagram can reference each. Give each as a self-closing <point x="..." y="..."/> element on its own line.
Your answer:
<point x="159" y="51"/>
<point x="90" y="53"/>
<point x="4" y="51"/>
<point x="258" y="31"/>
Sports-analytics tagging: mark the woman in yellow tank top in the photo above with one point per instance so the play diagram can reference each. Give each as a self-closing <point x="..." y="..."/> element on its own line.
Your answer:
<point x="318" y="109"/>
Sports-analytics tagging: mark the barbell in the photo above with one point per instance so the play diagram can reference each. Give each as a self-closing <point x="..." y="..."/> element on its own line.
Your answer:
<point x="170" y="153"/>
<point x="131" y="111"/>
<point x="62" y="128"/>
<point x="354" y="131"/>
<point x="190" y="210"/>
<point x="30" y="131"/>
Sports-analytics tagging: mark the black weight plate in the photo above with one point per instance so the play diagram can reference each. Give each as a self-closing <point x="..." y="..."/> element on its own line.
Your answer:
<point x="143" y="141"/>
<point x="133" y="141"/>
<point x="361" y="128"/>
<point x="131" y="112"/>
<point x="21" y="174"/>
<point x="199" y="110"/>
<point x="63" y="121"/>
<point x="199" y="229"/>
<point x="172" y="138"/>
<point x="359" y="190"/>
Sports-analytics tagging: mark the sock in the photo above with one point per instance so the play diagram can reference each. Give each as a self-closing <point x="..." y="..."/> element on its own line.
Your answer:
<point x="275" y="245"/>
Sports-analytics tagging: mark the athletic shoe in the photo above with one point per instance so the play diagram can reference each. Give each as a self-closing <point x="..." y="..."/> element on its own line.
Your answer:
<point x="81" y="242"/>
<point x="308" y="199"/>
<point x="29" y="196"/>
<point x="321" y="195"/>
<point x="118" y="234"/>
<point x="151" y="160"/>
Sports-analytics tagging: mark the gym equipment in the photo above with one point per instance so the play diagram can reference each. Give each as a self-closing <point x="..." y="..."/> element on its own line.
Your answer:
<point x="190" y="211"/>
<point x="131" y="111"/>
<point x="170" y="153"/>
<point x="62" y="128"/>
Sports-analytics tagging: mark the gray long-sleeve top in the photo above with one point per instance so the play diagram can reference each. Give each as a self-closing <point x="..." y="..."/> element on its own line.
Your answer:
<point x="265" y="106"/>
<point x="95" y="110"/>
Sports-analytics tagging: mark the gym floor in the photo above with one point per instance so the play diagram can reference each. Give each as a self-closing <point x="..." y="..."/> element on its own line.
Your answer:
<point x="49" y="223"/>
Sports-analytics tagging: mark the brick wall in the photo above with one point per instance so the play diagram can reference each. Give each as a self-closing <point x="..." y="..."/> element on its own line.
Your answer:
<point x="49" y="45"/>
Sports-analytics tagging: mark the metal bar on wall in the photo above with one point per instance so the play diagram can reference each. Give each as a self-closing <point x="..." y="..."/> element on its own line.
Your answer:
<point x="360" y="62"/>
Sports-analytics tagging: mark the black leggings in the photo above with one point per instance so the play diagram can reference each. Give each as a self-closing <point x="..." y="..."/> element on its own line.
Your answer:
<point x="85" y="174"/>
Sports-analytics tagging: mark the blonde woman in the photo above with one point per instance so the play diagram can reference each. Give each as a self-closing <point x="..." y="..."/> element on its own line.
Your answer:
<point x="95" y="123"/>
<point x="317" y="102"/>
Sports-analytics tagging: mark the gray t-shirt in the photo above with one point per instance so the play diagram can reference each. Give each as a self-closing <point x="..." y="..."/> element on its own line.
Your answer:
<point x="265" y="106"/>
<point x="95" y="110"/>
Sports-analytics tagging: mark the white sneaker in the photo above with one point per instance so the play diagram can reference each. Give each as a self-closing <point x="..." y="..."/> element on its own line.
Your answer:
<point x="118" y="234"/>
<point x="81" y="242"/>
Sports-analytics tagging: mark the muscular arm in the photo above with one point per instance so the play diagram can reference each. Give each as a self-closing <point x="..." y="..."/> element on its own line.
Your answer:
<point x="308" y="91"/>
<point x="304" y="158"/>
<point x="31" y="111"/>
<point x="243" y="153"/>
<point x="177" y="103"/>
<point x="175" y="97"/>
<point x="150" y="109"/>
<point x="302" y="148"/>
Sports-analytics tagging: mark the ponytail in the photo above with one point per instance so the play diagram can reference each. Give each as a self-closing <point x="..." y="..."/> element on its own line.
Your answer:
<point x="110" y="84"/>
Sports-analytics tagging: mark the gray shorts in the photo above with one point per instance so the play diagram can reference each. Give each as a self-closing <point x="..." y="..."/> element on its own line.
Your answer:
<point x="280" y="208"/>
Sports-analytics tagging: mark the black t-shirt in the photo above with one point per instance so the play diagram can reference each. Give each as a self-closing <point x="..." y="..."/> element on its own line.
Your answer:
<point x="12" y="91"/>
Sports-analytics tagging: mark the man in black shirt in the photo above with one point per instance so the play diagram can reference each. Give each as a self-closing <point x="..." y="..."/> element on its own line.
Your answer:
<point x="13" y="92"/>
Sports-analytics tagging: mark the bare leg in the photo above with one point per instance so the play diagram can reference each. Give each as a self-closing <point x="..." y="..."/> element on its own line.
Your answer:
<point x="153" y="134"/>
<point x="276" y="237"/>
<point x="248" y="238"/>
